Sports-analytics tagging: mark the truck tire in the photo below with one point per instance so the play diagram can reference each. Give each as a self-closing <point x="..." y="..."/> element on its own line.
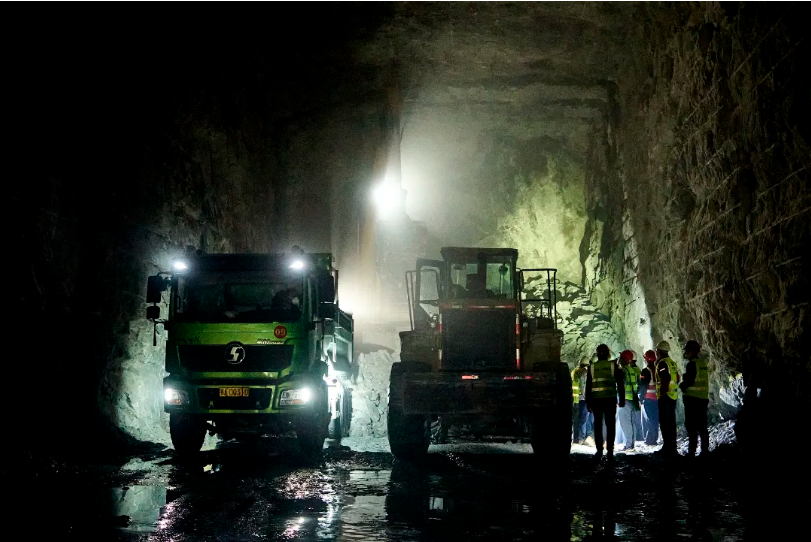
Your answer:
<point x="311" y="432"/>
<point x="339" y="427"/>
<point x="188" y="433"/>
<point x="409" y="435"/>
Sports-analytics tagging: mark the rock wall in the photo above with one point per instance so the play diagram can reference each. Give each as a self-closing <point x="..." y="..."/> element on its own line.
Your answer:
<point x="699" y="207"/>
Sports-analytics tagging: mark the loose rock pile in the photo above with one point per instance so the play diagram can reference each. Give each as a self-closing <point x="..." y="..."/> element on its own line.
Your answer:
<point x="583" y="325"/>
<point x="720" y="433"/>
<point x="370" y="389"/>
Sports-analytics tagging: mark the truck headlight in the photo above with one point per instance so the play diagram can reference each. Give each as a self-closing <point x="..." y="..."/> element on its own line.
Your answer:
<point x="175" y="397"/>
<point x="298" y="396"/>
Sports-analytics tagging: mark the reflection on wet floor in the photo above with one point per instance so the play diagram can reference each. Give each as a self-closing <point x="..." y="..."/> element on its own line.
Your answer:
<point x="141" y="505"/>
<point x="472" y="496"/>
<point x="238" y="495"/>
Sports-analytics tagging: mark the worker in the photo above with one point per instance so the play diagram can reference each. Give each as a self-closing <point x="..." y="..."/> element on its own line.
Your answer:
<point x="695" y="388"/>
<point x="667" y="391"/>
<point x="580" y="413"/>
<point x="650" y="404"/>
<point x="604" y="385"/>
<point x="631" y="432"/>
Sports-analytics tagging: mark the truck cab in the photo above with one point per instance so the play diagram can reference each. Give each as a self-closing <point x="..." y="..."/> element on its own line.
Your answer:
<point x="256" y="344"/>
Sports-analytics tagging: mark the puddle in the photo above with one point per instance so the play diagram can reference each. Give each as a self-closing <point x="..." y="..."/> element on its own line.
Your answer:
<point x="143" y="505"/>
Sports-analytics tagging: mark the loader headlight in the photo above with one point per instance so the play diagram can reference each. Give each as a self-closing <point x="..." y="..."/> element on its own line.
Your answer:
<point x="175" y="397"/>
<point x="299" y="396"/>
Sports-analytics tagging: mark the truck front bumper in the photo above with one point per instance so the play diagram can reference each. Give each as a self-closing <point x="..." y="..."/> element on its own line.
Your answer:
<point x="235" y="397"/>
<point x="497" y="393"/>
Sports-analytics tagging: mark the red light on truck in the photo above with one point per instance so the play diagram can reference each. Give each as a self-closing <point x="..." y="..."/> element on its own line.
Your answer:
<point x="470" y="377"/>
<point x="517" y="377"/>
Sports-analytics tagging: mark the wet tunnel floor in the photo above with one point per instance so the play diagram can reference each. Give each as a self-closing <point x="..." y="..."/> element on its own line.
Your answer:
<point x="245" y="493"/>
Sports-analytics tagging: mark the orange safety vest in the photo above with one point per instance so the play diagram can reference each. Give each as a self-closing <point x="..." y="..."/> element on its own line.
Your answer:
<point x="650" y="393"/>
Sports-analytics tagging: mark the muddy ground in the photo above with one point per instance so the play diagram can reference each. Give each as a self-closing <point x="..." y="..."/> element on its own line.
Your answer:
<point x="263" y="491"/>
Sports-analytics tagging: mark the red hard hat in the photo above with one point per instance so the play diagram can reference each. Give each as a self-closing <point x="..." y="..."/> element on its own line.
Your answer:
<point x="650" y="355"/>
<point x="628" y="355"/>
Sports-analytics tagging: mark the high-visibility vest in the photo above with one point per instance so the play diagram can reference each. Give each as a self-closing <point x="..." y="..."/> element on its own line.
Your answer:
<point x="650" y="393"/>
<point x="673" y="388"/>
<point x="575" y="386"/>
<point x="632" y="374"/>
<point x="603" y="384"/>
<point x="701" y="387"/>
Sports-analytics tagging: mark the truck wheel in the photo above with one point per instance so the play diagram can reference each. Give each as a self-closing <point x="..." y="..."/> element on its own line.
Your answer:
<point x="188" y="433"/>
<point x="339" y="427"/>
<point x="312" y="431"/>
<point x="409" y="435"/>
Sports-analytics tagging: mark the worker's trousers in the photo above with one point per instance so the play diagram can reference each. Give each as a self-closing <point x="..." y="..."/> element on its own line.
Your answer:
<point x="605" y="410"/>
<point x="667" y="423"/>
<point x="580" y="421"/>
<point x="695" y="419"/>
<point x="650" y="421"/>
<point x="630" y="424"/>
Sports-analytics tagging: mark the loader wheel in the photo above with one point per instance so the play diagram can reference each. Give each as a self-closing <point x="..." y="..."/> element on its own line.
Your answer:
<point x="409" y="435"/>
<point x="552" y="435"/>
<point x="188" y="433"/>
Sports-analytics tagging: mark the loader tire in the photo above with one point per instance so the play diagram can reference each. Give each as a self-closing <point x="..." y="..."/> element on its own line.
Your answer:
<point x="409" y="434"/>
<point x="552" y="429"/>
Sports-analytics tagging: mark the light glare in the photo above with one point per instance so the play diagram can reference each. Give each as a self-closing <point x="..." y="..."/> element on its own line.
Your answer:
<point x="386" y="197"/>
<point x="180" y="266"/>
<point x="297" y="265"/>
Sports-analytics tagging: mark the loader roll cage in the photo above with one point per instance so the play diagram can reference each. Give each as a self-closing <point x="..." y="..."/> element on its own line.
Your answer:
<point x="543" y="308"/>
<point x="427" y="285"/>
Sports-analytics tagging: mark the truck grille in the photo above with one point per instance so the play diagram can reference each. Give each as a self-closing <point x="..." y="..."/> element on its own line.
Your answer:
<point x="478" y="339"/>
<point x="270" y="358"/>
<point x="259" y="399"/>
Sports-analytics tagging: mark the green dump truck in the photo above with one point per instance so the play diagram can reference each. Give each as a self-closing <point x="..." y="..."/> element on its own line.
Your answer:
<point x="256" y="344"/>
<point x="481" y="355"/>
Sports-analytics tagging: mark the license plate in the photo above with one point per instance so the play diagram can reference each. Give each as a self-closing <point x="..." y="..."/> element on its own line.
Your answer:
<point x="234" y="392"/>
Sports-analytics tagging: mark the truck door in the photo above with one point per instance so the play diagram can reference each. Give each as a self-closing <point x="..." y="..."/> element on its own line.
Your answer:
<point x="429" y="288"/>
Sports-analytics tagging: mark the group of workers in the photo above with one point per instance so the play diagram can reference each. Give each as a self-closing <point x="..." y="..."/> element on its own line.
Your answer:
<point x="646" y="399"/>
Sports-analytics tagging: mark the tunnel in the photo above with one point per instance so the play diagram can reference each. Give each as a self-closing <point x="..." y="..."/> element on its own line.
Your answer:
<point x="655" y="154"/>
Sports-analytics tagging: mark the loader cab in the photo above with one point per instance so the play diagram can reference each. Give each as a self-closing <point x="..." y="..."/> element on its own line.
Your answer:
<point x="481" y="274"/>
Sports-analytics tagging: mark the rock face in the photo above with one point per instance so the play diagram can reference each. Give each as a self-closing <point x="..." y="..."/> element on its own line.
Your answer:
<point x="711" y="145"/>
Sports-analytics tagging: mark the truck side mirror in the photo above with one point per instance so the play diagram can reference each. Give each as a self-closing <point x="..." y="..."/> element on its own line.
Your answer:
<point x="155" y="285"/>
<point x="153" y="312"/>
<point x="326" y="288"/>
<point x="326" y="310"/>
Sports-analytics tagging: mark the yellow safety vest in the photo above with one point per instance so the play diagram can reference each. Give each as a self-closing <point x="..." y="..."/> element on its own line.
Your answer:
<point x="632" y="374"/>
<point x="673" y="388"/>
<point x="701" y="387"/>
<point x="575" y="387"/>
<point x="603" y="384"/>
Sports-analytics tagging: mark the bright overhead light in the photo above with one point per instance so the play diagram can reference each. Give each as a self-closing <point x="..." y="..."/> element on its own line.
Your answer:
<point x="386" y="197"/>
<point x="180" y="266"/>
<point x="297" y="265"/>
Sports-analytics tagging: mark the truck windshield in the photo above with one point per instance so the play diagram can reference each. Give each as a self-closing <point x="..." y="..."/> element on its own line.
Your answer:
<point x="481" y="280"/>
<point x="242" y="296"/>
